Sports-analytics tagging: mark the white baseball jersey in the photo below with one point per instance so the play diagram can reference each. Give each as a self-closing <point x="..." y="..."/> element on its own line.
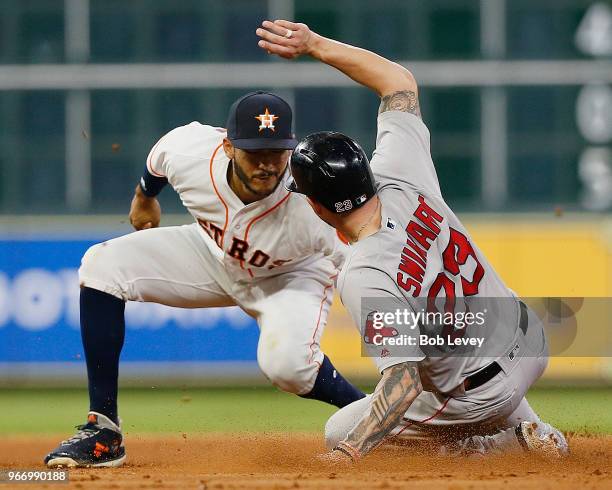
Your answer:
<point x="273" y="235"/>
<point x="274" y="258"/>
<point x="421" y="251"/>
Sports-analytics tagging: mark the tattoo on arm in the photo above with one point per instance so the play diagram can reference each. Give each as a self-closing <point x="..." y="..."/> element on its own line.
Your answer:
<point x="395" y="392"/>
<point x="405" y="101"/>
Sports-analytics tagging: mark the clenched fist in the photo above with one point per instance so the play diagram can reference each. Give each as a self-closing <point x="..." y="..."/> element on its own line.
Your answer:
<point x="145" y="212"/>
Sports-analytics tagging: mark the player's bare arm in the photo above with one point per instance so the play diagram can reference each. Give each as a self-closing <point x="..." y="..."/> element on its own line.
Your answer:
<point x="394" y="394"/>
<point x="145" y="212"/>
<point x="403" y="100"/>
<point x="391" y="81"/>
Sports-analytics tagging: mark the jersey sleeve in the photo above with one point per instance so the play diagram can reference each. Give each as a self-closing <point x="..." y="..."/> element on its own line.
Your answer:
<point x="156" y="159"/>
<point x="403" y="152"/>
<point x="187" y="143"/>
<point x="364" y="291"/>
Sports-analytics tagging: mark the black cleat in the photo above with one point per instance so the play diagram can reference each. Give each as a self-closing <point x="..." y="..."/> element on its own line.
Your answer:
<point x="97" y="444"/>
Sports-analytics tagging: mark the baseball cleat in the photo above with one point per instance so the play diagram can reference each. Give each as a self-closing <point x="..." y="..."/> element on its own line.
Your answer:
<point x="97" y="444"/>
<point x="542" y="438"/>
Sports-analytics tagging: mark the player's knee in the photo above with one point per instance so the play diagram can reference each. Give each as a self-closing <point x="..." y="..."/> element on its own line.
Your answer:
<point x="342" y="422"/>
<point x="91" y="262"/>
<point x="99" y="268"/>
<point x="334" y="431"/>
<point x="288" y="372"/>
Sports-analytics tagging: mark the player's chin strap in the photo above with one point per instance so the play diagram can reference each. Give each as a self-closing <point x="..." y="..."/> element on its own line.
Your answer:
<point x="349" y="450"/>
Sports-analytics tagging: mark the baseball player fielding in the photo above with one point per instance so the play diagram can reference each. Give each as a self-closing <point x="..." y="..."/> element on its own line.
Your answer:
<point x="253" y="244"/>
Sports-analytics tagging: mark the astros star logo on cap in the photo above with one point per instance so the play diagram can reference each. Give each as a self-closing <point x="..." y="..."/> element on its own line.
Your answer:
<point x="266" y="120"/>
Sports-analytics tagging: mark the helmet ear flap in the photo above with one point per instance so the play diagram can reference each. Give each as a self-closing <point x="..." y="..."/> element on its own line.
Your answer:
<point x="291" y="185"/>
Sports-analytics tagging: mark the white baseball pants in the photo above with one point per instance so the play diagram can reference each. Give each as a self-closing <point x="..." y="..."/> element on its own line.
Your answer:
<point x="174" y="266"/>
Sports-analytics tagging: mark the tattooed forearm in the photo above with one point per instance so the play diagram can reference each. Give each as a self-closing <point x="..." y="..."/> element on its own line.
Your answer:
<point x="395" y="392"/>
<point x="405" y="100"/>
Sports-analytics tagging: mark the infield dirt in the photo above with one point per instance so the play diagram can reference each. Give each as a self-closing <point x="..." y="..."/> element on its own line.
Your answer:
<point x="257" y="461"/>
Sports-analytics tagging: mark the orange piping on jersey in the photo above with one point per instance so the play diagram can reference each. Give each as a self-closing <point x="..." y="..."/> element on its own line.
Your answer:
<point x="149" y="167"/>
<point x="257" y="218"/>
<point x="342" y="238"/>
<point x="314" y="334"/>
<point x="217" y="192"/>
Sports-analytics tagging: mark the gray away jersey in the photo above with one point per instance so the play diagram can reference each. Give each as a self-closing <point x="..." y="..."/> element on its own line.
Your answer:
<point x="423" y="260"/>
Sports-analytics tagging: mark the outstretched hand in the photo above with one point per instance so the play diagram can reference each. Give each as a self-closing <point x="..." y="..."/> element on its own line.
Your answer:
<point x="285" y="39"/>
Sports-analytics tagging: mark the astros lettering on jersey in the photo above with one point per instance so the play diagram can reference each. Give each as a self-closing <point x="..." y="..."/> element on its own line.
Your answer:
<point x="260" y="239"/>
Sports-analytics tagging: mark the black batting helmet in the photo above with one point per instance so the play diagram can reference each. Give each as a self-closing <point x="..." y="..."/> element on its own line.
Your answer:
<point x="333" y="170"/>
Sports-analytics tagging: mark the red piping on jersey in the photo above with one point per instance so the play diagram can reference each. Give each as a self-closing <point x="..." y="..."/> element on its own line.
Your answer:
<point x="258" y="217"/>
<point x="411" y="422"/>
<point x="217" y="192"/>
<point x="314" y="334"/>
<point x="149" y="167"/>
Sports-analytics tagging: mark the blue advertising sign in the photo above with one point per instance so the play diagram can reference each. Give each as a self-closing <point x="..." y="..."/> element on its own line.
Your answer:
<point x="39" y="314"/>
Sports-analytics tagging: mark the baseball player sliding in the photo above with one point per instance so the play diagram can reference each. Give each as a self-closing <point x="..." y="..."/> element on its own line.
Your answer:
<point x="253" y="244"/>
<point x="410" y="250"/>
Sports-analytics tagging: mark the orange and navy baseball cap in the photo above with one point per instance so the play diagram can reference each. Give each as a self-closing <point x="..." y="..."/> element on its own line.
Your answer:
<point x="261" y="121"/>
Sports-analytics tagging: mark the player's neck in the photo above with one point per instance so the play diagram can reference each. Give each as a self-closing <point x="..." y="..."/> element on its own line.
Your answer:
<point x="363" y="222"/>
